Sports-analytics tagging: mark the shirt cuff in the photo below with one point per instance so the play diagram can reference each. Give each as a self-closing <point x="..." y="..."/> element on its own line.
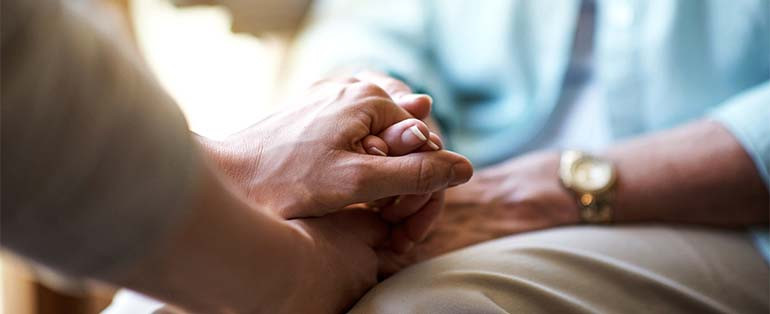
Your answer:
<point x="747" y="117"/>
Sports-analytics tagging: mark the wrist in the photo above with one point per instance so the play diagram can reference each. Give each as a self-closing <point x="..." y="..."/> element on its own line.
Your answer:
<point x="224" y="256"/>
<point x="564" y="199"/>
<point x="234" y="159"/>
<point x="570" y="215"/>
<point x="299" y="275"/>
<point x="216" y="151"/>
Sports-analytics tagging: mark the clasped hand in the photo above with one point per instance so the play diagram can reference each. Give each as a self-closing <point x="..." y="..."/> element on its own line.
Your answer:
<point x="352" y="167"/>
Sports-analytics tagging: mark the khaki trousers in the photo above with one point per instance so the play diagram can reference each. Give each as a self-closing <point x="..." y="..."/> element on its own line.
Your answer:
<point x="586" y="269"/>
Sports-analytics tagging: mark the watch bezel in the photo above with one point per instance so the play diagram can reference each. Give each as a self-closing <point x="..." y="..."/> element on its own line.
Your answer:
<point x="595" y="160"/>
<point x="571" y="159"/>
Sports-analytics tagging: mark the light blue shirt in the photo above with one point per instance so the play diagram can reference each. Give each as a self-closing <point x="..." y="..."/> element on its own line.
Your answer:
<point x="496" y="69"/>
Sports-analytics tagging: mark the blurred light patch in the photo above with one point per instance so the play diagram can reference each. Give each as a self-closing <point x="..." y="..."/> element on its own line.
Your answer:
<point x="222" y="81"/>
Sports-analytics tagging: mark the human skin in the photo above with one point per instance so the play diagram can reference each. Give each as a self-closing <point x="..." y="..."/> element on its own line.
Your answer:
<point x="412" y="214"/>
<point x="312" y="159"/>
<point x="331" y="257"/>
<point x="694" y="174"/>
<point x="305" y="163"/>
<point x="219" y="251"/>
<point x="266" y="160"/>
<point x="231" y="256"/>
<point x="308" y="162"/>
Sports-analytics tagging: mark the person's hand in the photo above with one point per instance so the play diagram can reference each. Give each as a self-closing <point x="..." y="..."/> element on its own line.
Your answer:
<point x="311" y="160"/>
<point x="412" y="215"/>
<point x="522" y="194"/>
<point x="336" y="267"/>
<point x="340" y="264"/>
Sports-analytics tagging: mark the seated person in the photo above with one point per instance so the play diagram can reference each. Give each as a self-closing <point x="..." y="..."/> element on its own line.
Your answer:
<point x="649" y="116"/>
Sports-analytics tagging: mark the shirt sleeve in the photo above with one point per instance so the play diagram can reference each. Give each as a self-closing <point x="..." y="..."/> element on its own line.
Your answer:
<point x="97" y="161"/>
<point x="747" y="116"/>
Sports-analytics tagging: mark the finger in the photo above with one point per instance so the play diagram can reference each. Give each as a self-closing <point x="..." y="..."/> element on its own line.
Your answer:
<point x="403" y="207"/>
<point x="419" y="105"/>
<point x="362" y="224"/>
<point x="377" y="105"/>
<point x="405" y="137"/>
<point x="394" y="87"/>
<point x="374" y="145"/>
<point x="417" y="226"/>
<point x="374" y="177"/>
<point x="435" y="143"/>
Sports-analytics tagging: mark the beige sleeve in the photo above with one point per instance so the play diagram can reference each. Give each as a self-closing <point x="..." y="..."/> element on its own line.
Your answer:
<point x="97" y="161"/>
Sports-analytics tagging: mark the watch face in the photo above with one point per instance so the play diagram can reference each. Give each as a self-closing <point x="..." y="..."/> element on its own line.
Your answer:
<point x="592" y="175"/>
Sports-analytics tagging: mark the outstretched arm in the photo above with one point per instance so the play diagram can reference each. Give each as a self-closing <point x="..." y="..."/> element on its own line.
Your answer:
<point x="699" y="173"/>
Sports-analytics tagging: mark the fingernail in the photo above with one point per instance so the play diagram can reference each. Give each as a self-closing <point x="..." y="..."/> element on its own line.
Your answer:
<point x="416" y="131"/>
<point x="377" y="151"/>
<point x="461" y="173"/>
<point x="433" y="146"/>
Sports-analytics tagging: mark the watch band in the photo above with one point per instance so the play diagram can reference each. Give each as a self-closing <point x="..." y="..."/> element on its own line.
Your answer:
<point x="595" y="209"/>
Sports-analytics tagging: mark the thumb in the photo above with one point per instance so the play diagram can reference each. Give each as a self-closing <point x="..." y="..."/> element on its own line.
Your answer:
<point x="416" y="173"/>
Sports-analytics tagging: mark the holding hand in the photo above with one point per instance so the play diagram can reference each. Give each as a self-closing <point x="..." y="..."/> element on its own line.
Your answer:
<point x="339" y="264"/>
<point x="412" y="214"/>
<point x="311" y="160"/>
<point x="304" y="166"/>
<point x="523" y="194"/>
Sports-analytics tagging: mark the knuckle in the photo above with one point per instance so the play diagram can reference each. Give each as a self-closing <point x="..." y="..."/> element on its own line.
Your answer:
<point x="427" y="176"/>
<point x="364" y="95"/>
<point x="367" y="89"/>
<point x="381" y="104"/>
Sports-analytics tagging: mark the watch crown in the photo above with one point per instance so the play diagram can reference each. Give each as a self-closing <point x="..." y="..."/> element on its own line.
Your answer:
<point x="586" y="199"/>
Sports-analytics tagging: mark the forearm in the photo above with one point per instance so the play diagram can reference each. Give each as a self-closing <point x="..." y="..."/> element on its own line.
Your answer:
<point x="102" y="179"/>
<point x="226" y="257"/>
<point x="97" y="158"/>
<point x="698" y="173"/>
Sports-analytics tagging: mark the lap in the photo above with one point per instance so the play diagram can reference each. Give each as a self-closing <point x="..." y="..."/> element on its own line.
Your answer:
<point x="628" y="269"/>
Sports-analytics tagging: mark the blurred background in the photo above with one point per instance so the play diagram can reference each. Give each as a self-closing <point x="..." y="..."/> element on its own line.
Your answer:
<point x="224" y="81"/>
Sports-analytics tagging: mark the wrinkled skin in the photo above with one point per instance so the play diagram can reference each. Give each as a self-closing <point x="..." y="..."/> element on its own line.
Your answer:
<point x="522" y="194"/>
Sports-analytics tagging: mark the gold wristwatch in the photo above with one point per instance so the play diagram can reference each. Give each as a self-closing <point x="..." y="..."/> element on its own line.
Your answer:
<point x="591" y="179"/>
